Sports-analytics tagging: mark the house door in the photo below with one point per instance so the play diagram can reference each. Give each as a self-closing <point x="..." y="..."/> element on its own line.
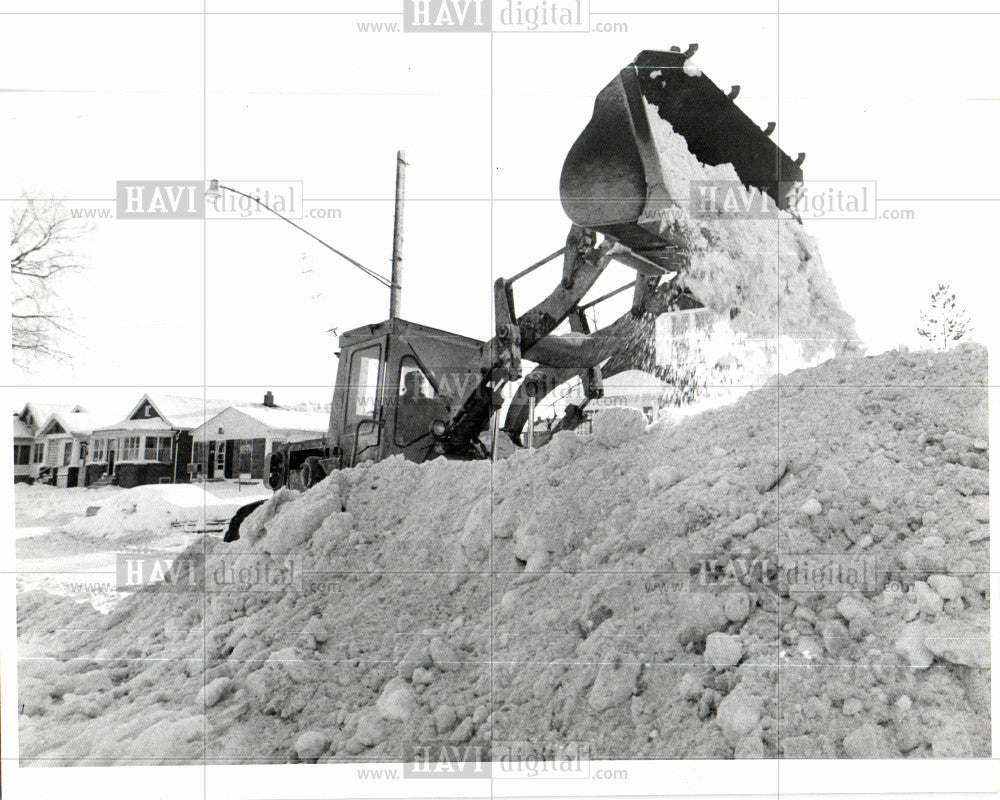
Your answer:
<point x="111" y="462"/>
<point x="220" y="459"/>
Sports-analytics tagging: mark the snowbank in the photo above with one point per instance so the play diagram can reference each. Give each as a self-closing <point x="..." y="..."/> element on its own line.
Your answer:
<point x="39" y="505"/>
<point x="803" y="574"/>
<point x="156" y="508"/>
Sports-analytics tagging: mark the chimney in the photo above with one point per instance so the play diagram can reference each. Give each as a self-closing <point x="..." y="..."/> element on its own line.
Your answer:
<point x="269" y="399"/>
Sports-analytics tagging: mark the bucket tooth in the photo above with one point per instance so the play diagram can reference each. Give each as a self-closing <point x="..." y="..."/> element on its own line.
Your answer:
<point x="769" y="128"/>
<point x="800" y="159"/>
<point x="692" y="49"/>
<point x="734" y="91"/>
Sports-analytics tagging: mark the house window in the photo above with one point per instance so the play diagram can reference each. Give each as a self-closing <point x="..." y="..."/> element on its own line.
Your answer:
<point x="22" y="455"/>
<point x="67" y="453"/>
<point x="83" y="452"/>
<point x="200" y="456"/>
<point x="130" y="448"/>
<point x="157" y="449"/>
<point x="97" y="451"/>
<point x="39" y="453"/>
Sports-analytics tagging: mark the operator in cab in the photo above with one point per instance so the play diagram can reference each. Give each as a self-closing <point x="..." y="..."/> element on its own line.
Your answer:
<point x="416" y="411"/>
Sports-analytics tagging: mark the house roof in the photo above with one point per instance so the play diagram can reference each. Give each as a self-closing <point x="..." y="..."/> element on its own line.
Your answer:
<point x="151" y="424"/>
<point x="80" y="423"/>
<point x="175" y="408"/>
<point x="21" y="429"/>
<point x="42" y="411"/>
<point x="276" y="419"/>
<point x="634" y="384"/>
<point x="176" y="413"/>
<point x="287" y="419"/>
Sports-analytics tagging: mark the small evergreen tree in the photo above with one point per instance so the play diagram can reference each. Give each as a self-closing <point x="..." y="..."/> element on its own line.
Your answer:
<point x="943" y="320"/>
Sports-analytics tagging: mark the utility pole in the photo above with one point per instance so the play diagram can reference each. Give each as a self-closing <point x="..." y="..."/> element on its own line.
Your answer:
<point x="397" y="240"/>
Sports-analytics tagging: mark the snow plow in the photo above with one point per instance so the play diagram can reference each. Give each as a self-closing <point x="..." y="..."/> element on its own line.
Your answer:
<point x="405" y="388"/>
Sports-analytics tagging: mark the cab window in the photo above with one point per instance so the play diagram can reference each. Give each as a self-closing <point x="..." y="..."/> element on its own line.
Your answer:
<point x="413" y="381"/>
<point x="416" y="407"/>
<point x="363" y="389"/>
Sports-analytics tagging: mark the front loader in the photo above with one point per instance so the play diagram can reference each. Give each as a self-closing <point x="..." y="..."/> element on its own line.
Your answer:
<point x="405" y="388"/>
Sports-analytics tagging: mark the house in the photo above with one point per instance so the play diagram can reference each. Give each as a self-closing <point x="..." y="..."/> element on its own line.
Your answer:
<point x="64" y="440"/>
<point x="29" y="454"/>
<point x="678" y="324"/>
<point x="152" y="444"/>
<point x="24" y="440"/>
<point x="236" y="441"/>
<point x="633" y="388"/>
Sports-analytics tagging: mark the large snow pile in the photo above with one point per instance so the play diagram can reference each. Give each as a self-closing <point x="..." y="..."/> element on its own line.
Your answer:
<point x="763" y="271"/>
<point x="803" y="573"/>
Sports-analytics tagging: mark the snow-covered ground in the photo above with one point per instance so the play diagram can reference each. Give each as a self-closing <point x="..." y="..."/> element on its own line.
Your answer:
<point x="802" y="574"/>
<point x="63" y="550"/>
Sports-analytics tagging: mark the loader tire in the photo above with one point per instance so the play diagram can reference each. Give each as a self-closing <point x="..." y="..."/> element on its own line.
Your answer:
<point x="311" y="472"/>
<point x="233" y="531"/>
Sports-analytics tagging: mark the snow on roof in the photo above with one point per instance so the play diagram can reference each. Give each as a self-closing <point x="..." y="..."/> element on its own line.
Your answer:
<point x="634" y="379"/>
<point x="287" y="419"/>
<point x="42" y="411"/>
<point x="75" y="423"/>
<point x="191" y="421"/>
<point x="21" y="429"/>
<point x="633" y="383"/>
<point x="176" y="413"/>
<point x="151" y="424"/>
<point x="173" y="407"/>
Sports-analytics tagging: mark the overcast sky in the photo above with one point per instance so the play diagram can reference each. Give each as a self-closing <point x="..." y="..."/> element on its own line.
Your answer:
<point x="241" y="305"/>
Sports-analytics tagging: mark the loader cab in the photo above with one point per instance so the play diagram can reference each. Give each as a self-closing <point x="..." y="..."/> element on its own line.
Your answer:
<point x="397" y="382"/>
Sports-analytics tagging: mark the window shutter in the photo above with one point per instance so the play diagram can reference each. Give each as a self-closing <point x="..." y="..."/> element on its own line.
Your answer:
<point x="257" y="459"/>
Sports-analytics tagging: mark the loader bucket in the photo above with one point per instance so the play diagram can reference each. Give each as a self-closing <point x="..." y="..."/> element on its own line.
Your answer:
<point x="612" y="179"/>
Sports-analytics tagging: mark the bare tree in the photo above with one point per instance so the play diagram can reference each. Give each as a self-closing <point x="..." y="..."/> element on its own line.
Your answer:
<point x="943" y="320"/>
<point x="43" y="235"/>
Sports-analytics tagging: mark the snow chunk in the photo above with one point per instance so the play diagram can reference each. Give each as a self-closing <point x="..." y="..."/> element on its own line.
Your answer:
<point x="910" y="645"/>
<point x="947" y="586"/>
<point x="691" y="70"/>
<point x="397" y="701"/>
<point x="310" y="745"/>
<point x="722" y="650"/>
<point x="212" y="693"/>
<point x="869" y="741"/>
<point x="738" y="714"/>
<point x="614" y="427"/>
<point x="964" y="644"/>
<point x="297" y="522"/>
<point x="615" y="682"/>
